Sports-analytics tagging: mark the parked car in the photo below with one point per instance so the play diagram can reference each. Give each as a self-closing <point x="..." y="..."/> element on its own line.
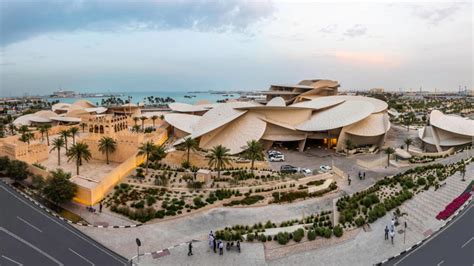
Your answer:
<point x="305" y="170"/>
<point x="288" y="169"/>
<point x="274" y="152"/>
<point x="277" y="158"/>
<point x="325" y="168"/>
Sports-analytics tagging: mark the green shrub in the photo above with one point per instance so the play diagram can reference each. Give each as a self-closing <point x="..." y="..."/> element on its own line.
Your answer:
<point x="311" y="235"/>
<point x="337" y="230"/>
<point x="360" y="221"/>
<point x="283" y="238"/>
<point x="250" y="237"/>
<point x="298" y="235"/>
<point x="327" y="232"/>
<point x="421" y="181"/>
<point x="262" y="238"/>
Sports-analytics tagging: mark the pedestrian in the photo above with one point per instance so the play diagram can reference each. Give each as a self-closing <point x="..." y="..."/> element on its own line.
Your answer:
<point x="211" y="242"/>
<point x="360" y="176"/>
<point x="364" y="176"/>
<point x="386" y="232"/>
<point x="392" y="225"/>
<point x="221" y="248"/>
<point x="190" y="248"/>
<point x="349" y="180"/>
<point x="100" y="206"/>
<point x="214" y="244"/>
<point x="392" y="235"/>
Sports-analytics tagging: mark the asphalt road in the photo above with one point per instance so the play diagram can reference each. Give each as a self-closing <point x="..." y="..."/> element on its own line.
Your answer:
<point x="452" y="246"/>
<point x="30" y="236"/>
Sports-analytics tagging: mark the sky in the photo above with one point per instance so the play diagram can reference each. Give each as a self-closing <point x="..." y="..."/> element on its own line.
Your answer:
<point x="119" y="46"/>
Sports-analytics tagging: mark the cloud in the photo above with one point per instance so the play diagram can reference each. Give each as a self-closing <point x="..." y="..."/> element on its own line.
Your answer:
<point x="20" y="20"/>
<point x="366" y="59"/>
<point x="435" y="15"/>
<point x="329" y="29"/>
<point x="355" y="31"/>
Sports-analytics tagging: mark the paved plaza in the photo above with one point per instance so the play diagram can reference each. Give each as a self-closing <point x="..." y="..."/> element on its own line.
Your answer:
<point x="160" y="235"/>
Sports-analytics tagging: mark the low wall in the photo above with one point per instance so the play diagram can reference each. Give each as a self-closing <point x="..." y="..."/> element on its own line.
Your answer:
<point x="431" y="154"/>
<point x="380" y="162"/>
<point x="92" y="195"/>
<point x="339" y="172"/>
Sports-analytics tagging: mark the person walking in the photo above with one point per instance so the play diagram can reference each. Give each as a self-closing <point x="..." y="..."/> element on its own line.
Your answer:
<point x="392" y="235"/>
<point x="349" y="180"/>
<point x="221" y="248"/>
<point x="214" y="244"/>
<point x="392" y="225"/>
<point x="364" y="176"/>
<point x="190" y="248"/>
<point x="211" y="242"/>
<point x="386" y="232"/>
<point x="100" y="207"/>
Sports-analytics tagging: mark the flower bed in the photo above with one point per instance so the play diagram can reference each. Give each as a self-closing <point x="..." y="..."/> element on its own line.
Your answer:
<point x="453" y="206"/>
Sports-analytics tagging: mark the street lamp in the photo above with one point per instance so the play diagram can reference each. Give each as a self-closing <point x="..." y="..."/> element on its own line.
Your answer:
<point x="139" y="243"/>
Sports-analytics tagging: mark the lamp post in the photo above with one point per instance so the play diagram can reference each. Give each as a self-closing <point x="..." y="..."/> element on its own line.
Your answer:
<point x="139" y="243"/>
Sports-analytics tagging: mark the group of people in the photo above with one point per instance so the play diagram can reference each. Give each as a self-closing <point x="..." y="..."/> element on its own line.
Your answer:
<point x="215" y="244"/>
<point x="390" y="230"/>
<point x="361" y="175"/>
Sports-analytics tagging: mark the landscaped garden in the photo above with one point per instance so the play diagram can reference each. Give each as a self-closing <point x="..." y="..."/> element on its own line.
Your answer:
<point x="389" y="193"/>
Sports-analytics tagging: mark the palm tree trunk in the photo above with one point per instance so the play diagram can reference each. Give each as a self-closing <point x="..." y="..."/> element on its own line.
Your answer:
<point x="143" y="125"/>
<point x="77" y="166"/>
<point x="59" y="156"/>
<point x="47" y="137"/>
<point x="42" y="136"/>
<point x="65" y="142"/>
<point x="251" y="166"/>
<point x="153" y="123"/>
<point x="73" y="139"/>
<point x="146" y="165"/>
<point x="107" y="155"/>
<point x="188" y="156"/>
<point x="388" y="160"/>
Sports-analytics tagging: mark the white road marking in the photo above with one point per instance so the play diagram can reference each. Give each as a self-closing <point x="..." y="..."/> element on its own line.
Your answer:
<point x="14" y="261"/>
<point x="30" y="245"/>
<point x="441" y="262"/>
<point x="60" y="224"/>
<point x="467" y="242"/>
<point x="32" y="226"/>
<point x="82" y="257"/>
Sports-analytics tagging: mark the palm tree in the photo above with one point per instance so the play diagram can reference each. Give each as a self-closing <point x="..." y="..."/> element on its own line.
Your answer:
<point x="153" y="118"/>
<point x="409" y="119"/>
<point x="253" y="151"/>
<point x="12" y="128"/>
<point x="74" y="131"/>
<point x="64" y="134"/>
<point x="162" y="117"/>
<point x="135" y="119"/>
<point x="218" y="158"/>
<point x="143" y="118"/>
<point x="189" y="144"/>
<point x="147" y="149"/>
<point x="47" y="127"/>
<point x="23" y="129"/>
<point x="389" y="151"/>
<point x="58" y="143"/>
<point x="78" y="152"/>
<point x="349" y="145"/>
<point x="408" y="142"/>
<point x="107" y="145"/>
<point x="42" y="130"/>
<point x="83" y="126"/>
<point x="136" y="128"/>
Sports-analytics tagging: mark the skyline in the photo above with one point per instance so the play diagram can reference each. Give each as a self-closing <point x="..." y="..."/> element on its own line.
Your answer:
<point x="234" y="45"/>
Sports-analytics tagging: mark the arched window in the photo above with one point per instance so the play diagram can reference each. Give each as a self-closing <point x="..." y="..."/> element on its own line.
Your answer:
<point x="96" y="129"/>
<point x="101" y="129"/>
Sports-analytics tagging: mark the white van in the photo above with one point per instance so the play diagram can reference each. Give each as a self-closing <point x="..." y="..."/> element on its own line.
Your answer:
<point x="277" y="158"/>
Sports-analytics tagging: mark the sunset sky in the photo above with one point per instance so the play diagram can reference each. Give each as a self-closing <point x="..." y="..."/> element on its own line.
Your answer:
<point x="97" y="46"/>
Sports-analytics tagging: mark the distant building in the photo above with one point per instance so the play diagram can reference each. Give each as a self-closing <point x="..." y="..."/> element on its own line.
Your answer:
<point x="64" y="94"/>
<point x="376" y="91"/>
<point x="304" y="90"/>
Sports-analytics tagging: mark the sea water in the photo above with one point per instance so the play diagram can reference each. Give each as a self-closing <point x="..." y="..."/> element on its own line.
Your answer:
<point x="178" y="96"/>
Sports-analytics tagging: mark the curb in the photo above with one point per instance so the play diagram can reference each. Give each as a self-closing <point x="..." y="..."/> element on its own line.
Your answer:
<point x="62" y="218"/>
<point x="429" y="236"/>
<point x="162" y="250"/>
